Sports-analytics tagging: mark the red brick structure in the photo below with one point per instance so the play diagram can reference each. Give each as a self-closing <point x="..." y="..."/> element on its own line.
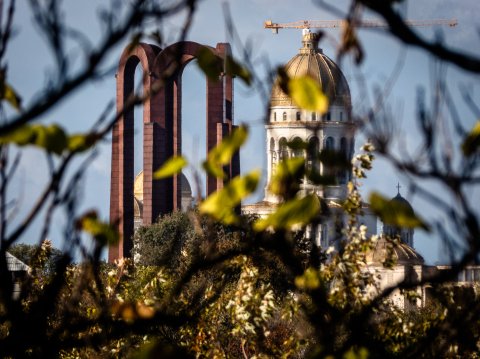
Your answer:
<point x="162" y="132"/>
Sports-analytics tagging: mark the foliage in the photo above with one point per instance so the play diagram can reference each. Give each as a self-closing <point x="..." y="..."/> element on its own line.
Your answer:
<point x="31" y="256"/>
<point x="214" y="283"/>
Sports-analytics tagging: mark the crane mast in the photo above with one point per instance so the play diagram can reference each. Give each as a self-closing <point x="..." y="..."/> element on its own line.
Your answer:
<point x="325" y="24"/>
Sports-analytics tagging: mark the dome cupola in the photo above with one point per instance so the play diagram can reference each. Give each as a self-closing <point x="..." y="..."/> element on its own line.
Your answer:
<point x="405" y="234"/>
<point x="311" y="61"/>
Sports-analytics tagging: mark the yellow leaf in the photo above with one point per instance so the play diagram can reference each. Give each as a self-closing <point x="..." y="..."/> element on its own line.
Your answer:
<point x="51" y="137"/>
<point x="222" y="203"/>
<point x="171" y="167"/>
<point x="395" y="213"/>
<point x="209" y="63"/>
<point x="471" y="143"/>
<point x="296" y="212"/>
<point x="307" y="94"/>
<point x="102" y="232"/>
<point x="309" y="280"/>
<point x="8" y="94"/>
<point x="287" y="176"/>
<point x="223" y="153"/>
<point x="81" y="142"/>
<point x="233" y="68"/>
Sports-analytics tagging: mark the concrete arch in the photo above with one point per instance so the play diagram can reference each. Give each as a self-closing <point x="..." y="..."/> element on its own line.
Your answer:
<point x="162" y="132"/>
<point x="122" y="176"/>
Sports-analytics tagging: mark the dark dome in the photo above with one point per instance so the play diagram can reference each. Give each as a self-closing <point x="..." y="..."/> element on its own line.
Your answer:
<point x="398" y="199"/>
<point x="312" y="62"/>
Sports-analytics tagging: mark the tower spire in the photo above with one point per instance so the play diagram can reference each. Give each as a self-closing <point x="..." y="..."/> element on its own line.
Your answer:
<point x="398" y="188"/>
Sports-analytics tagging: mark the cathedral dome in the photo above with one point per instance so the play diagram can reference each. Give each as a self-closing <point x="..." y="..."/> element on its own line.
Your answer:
<point x="312" y="62"/>
<point x="401" y="252"/>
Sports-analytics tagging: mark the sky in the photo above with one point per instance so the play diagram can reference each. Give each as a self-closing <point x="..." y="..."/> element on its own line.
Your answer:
<point x="30" y="68"/>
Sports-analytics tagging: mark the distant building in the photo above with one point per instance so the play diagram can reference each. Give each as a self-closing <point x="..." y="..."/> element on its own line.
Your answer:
<point x="186" y="198"/>
<point x="335" y="130"/>
<point x="18" y="271"/>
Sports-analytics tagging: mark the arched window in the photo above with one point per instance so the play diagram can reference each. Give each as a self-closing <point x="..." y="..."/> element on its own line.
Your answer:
<point x="274" y="116"/>
<point x="329" y="144"/>
<point x="298" y="116"/>
<point x="341" y="115"/>
<point x="314" y="116"/>
<point x="343" y="147"/>
<point x="273" y="154"/>
<point x="297" y="152"/>
<point x="284" y="116"/>
<point x="343" y="173"/>
<point x="312" y="154"/>
<point x="283" y="150"/>
<point x="327" y="116"/>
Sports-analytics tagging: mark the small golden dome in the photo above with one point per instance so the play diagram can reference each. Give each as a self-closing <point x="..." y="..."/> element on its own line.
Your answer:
<point x="311" y="61"/>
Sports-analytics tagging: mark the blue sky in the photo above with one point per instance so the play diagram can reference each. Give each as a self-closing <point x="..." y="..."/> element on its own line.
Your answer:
<point x="30" y="64"/>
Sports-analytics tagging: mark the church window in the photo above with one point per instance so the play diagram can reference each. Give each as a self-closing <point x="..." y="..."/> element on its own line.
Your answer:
<point x="327" y="116"/>
<point x="283" y="152"/>
<point x="274" y="116"/>
<point x="341" y="116"/>
<point x="329" y="143"/>
<point x="314" y="116"/>
<point x="343" y="150"/>
<point x="284" y="116"/>
<point x="312" y="154"/>
<point x="298" y="116"/>
<point x="297" y="152"/>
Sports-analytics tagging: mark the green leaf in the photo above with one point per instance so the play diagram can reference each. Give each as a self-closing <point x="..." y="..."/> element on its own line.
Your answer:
<point x="307" y="94"/>
<point x="8" y="94"/>
<point x="233" y="68"/>
<point x="296" y="212"/>
<point x="395" y="213"/>
<point x="223" y="153"/>
<point x="171" y="167"/>
<point x="22" y="136"/>
<point x="81" y="142"/>
<point x="221" y="204"/>
<point x="310" y="279"/>
<point x="209" y="63"/>
<point x="472" y="141"/>
<point x="287" y="176"/>
<point x="51" y="137"/>
<point x="357" y="353"/>
<point x="102" y="232"/>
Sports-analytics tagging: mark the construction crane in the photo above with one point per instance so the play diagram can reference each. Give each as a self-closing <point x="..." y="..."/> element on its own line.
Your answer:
<point x="324" y="24"/>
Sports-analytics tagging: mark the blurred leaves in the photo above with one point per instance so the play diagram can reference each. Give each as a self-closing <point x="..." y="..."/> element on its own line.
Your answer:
<point x="81" y="142"/>
<point x="171" y="167"/>
<point x="104" y="233"/>
<point x="235" y="69"/>
<point x="222" y="203"/>
<point x="51" y="138"/>
<point x="296" y="212"/>
<point x="209" y="63"/>
<point x="288" y="173"/>
<point x="350" y="42"/>
<point x="223" y="153"/>
<point x="7" y="93"/>
<point x="471" y="143"/>
<point x="309" y="280"/>
<point x="213" y="66"/>
<point x="307" y="94"/>
<point x="395" y="213"/>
